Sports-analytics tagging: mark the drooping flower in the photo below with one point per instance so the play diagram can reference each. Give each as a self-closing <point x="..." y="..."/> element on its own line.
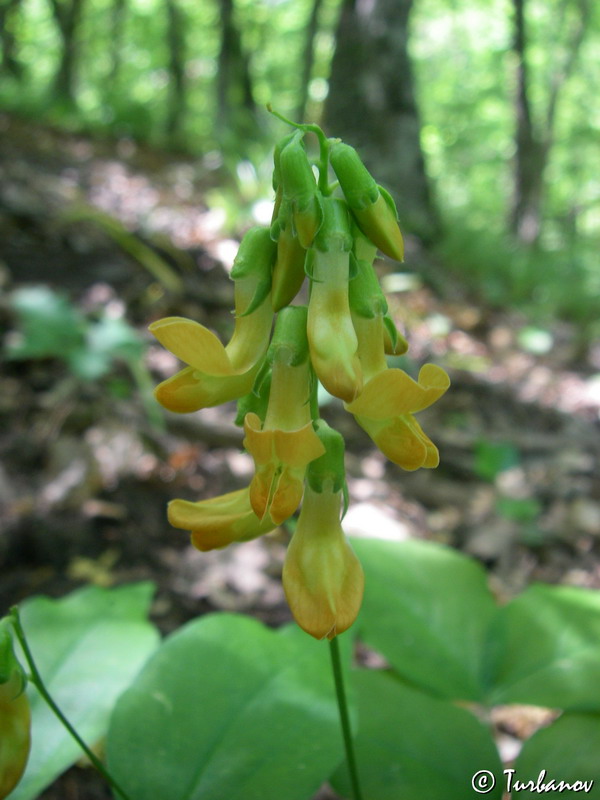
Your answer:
<point x="217" y="373"/>
<point x="386" y="406"/>
<point x="285" y="443"/>
<point x="322" y="577"/>
<point x="372" y="207"/>
<point x="219" y="521"/>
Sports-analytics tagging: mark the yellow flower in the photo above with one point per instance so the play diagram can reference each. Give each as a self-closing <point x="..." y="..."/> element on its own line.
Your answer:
<point x="322" y="577"/>
<point x="219" y="521"/>
<point x="217" y="374"/>
<point x="286" y="443"/>
<point x="389" y="399"/>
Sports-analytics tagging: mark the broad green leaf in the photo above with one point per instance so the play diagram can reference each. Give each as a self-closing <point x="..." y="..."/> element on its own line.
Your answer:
<point x="545" y="649"/>
<point x="411" y="745"/>
<point x="565" y="751"/>
<point x="228" y="709"/>
<point x="88" y="647"/>
<point x="427" y="610"/>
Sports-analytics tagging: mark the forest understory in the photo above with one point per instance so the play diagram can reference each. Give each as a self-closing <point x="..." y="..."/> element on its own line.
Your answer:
<point x="86" y="470"/>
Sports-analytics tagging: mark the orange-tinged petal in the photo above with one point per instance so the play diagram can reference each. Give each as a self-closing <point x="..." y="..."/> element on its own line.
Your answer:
<point x="259" y="443"/>
<point x="190" y="390"/>
<point x="392" y="392"/>
<point x="298" y="448"/>
<point x="194" y="344"/>
<point x="280" y="459"/>
<point x="322" y="577"/>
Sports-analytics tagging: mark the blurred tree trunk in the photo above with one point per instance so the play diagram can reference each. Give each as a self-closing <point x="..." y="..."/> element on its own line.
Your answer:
<point x="117" y="23"/>
<point x="534" y="141"/>
<point x="177" y="88"/>
<point x="67" y="15"/>
<point x="308" y="59"/>
<point x="10" y="63"/>
<point x="371" y="104"/>
<point x="236" y="108"/>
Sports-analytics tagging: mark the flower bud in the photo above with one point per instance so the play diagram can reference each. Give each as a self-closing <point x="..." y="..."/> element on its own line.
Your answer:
<point x="372" y="207"/>
<point x="300" y="190"/>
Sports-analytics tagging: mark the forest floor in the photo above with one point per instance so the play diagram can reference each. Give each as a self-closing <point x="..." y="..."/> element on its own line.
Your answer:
<point x="86" y="470"/>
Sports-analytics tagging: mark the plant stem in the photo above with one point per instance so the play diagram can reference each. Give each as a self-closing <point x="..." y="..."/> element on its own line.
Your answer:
<point x="37" y="681"/>
<point x="338" y="677"/>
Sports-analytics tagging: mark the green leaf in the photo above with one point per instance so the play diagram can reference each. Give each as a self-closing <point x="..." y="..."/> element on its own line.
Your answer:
<point x="50" y="326"/>
<point x="427" y="610"/>
<point x="228" y="709"/>
<point x="566" y="751"/>
<point x="411" y="745"/>
<point x="545" y="649"/>
<point x="87" y="646"/>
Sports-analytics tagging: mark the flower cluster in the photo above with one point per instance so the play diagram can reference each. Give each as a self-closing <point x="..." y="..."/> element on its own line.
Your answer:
<point x="281" y="350"/>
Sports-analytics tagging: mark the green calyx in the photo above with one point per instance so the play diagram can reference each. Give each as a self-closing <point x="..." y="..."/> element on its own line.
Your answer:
<point x="357" y="183"/>
<point x="364" y="292"/>
<point x="290" y="342"/>
<point x="257" y="400"/>
<point x="328" y="470"/>
<point x="254" y="260"/>
<point x="335" y="234"/>
<point x="300" y="191"/>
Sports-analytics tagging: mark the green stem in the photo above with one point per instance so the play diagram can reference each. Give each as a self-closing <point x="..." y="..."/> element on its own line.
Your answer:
<point x="324" y="146"/>
<point x="338" y="677"/>
<point x="36" y="679"/>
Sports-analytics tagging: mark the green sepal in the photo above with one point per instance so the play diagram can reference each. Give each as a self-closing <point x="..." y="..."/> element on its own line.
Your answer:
<point x="358" y="185"/>
<point x="399" y="343"/>
<point x="328" y="470"/>
<point x="364" y="292"/>
<point x="389" y="200"/>
<point x="255" y="256"/>
<point x="290" y="341"/>
<point x="309" y="263"/>
<point x="277" y="158"/>
<point x="300" y="190"/>
<point x="12" y="675"/>
<point x="261" y="293"/>
<point x="255" y="259"/>
<point x="257" y="400"/>
<point x="335" y="234"/>
<point x="353" y="267"/>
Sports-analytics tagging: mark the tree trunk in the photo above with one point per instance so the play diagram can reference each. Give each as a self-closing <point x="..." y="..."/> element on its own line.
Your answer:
<point x="308" y="58"/>
<point x="235" y="101"/>
<point x="67" y="15"/>
<point x="117" y="23"/>
<point x="534" y="142"/>
<point x="177" y="94"/>
<point x="10" y="63"/>
<point x="371" y="104"/>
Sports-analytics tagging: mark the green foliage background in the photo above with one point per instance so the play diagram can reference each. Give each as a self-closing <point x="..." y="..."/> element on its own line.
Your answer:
<point x="465" y="74"/>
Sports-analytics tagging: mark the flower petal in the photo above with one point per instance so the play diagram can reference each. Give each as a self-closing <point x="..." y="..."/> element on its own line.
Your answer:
<point x="194" y="344"/>
<point x="392" y="392"/>
<point x="219" y="521"/>
<point x="322" y="577"/>
<point x="190" y="390"/>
